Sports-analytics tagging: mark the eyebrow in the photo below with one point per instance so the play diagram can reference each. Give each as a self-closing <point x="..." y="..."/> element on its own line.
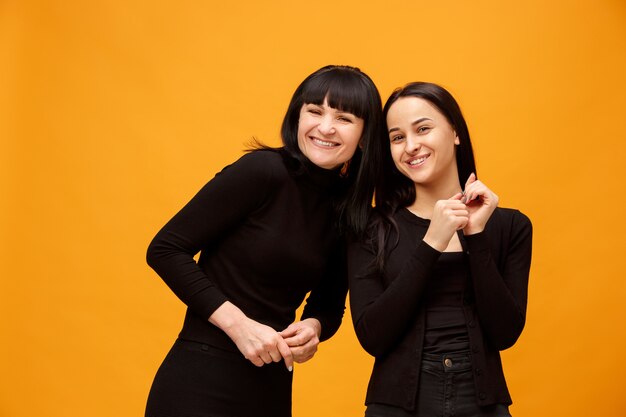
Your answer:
<point x="342" y="112"/>
<point x="418" y="121"/>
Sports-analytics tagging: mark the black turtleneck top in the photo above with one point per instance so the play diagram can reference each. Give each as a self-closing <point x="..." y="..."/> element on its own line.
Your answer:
<point x="266" y="236"/>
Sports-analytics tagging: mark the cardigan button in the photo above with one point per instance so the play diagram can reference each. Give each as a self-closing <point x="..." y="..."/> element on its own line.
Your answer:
<point x="471" y="324"/>
<point x="482" y="395"/>
<point x="479" y="371"/>
<point x="475" y="349"/>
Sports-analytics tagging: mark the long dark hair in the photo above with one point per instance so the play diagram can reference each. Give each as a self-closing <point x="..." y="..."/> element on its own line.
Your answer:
<point x="393" y="189"/>
<point x="347" y="89"/>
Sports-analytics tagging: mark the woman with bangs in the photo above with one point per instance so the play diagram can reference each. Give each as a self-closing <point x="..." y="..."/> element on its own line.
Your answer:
<point x="438" y="283"/>
<point x="268" y="229"/>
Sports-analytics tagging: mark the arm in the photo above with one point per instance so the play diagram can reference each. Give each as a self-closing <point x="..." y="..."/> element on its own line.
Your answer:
<point x="217" y="208"/>
<point x="323" y="311"/>
<point x="381" y="313"/>
<point x="221" y="204"/>
<point x="501" y="293"/>
<point x="327" y="301"/>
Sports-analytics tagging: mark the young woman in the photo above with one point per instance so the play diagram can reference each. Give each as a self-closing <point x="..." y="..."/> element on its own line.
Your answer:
<point x="266" y="228"/>
<point x="438" y="284"/>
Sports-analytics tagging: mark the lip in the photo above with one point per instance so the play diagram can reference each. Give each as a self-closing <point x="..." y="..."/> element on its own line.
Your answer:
<point x="323" y="143"/>
<point x="421" y="158"/>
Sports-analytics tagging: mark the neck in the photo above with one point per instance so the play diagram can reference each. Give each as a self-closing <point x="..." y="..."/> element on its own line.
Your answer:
<point x="426" y="195"/>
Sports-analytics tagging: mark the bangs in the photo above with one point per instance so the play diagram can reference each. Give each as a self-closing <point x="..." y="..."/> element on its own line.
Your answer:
<point x="344" y="90"/>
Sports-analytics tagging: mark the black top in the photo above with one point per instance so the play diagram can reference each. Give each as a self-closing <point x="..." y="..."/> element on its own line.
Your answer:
<point x="389" y="315"/>
<point x="266" y="237"/>
<point x="446" y="330"/>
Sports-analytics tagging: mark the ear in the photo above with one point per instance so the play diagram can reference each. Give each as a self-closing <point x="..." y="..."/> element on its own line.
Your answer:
<point x="456" y="139"/>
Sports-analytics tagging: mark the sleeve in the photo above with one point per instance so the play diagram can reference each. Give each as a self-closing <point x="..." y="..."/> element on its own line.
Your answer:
<point x="220" y="205"/>
<point x="501" y="293"/>
<point x="381" y="313"/>
<point x="327" y="301"/>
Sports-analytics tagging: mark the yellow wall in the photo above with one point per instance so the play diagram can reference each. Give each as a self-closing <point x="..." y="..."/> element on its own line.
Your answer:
<point x="114" y="112"/>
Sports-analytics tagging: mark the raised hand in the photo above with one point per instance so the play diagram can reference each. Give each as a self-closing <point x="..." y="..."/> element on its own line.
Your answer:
<point x="302" y="337"/>
<point x="481" y="203"/>
<point x="448" y="217"/>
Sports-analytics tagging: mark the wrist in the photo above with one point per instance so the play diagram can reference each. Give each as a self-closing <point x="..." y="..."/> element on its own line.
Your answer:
<point x="468" y="231"/>
<point x="434" y="243"/>
<point x="228" y="317"/>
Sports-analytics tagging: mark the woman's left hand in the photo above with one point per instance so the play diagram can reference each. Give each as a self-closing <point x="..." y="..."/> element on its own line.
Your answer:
<point x="303" y="337"/>
<point x="480" y="202"/>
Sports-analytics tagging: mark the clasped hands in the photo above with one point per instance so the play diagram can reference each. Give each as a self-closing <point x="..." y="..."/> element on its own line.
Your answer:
<point x="261" y="344"/>
<point x="468" y="211"/>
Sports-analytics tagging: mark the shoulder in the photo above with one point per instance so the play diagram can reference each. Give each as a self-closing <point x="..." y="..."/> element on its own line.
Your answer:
<point x="512" y="216"/>
<point x="509" y="223"/>
<point x="257" y="166"/>
<point x="261" y="159"/>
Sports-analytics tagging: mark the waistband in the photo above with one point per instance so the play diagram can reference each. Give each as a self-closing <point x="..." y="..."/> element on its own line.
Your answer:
<point x="448" y="362"/>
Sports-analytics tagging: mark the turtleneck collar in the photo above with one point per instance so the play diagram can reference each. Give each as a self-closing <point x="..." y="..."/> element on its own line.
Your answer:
<point x="306" y="171"/>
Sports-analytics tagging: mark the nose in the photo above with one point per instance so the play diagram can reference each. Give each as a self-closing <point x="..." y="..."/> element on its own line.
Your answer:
<point x="327" y="126"/>
<point x="412" y="145"/>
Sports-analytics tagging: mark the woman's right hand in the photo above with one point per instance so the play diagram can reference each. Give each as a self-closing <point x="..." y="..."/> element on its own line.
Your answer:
<point x="260" y="344"/>
<point x="448" y="217"/>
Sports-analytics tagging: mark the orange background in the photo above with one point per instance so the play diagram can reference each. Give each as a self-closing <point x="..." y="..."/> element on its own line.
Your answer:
<point x="114" y="113"/>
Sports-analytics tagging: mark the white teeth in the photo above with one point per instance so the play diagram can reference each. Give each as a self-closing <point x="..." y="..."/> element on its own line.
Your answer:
<point x="418" y="161"/>
<point x="323" y="143"/>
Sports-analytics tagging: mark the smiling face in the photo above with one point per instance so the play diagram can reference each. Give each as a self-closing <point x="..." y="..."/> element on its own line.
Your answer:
<point x="422" y="142"/>
<point x="326" y="136"/>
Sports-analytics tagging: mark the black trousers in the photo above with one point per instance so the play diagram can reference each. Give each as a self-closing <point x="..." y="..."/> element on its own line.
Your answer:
<point x="446" y="389"/>
<point x="199" y="380"/>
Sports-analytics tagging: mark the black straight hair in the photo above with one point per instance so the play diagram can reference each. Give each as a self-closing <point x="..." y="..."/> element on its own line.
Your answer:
<point x="348" y="89"/>
<point x="393" y="189"/>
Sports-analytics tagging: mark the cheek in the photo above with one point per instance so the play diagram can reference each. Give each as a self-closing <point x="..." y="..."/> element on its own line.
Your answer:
<point x="303" y="128"/>
<point x="356" y="136"/>
<point x="396" y="153"/>
<point x="304" y="123"/>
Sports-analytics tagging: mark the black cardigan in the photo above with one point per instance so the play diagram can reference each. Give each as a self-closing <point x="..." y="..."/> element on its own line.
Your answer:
<point x="266" y="237"/>
<point x="389" y="318"/>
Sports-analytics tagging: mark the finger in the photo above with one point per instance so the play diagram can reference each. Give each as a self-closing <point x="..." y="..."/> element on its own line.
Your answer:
<point x="253" y="355"/>
<point x="275" y="355"/>
<point x="304" y="353"/>
<point x="468" y="183"/>
<point x="256" y="360"/>
<point x="303" y="357"/>
<point x="266" y="357"/>
<point x="452" y="212"/>
<point x="299" y="339"/>
<point x="285" y="352"/>
<point x="297" y="354"/>
<point x="470" y="180"/>
<point x="291" y="330"/>
<point x="457" y="196"/>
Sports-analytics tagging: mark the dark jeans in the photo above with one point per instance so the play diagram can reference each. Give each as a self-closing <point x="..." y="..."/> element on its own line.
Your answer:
<point x="446" y="389"/>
